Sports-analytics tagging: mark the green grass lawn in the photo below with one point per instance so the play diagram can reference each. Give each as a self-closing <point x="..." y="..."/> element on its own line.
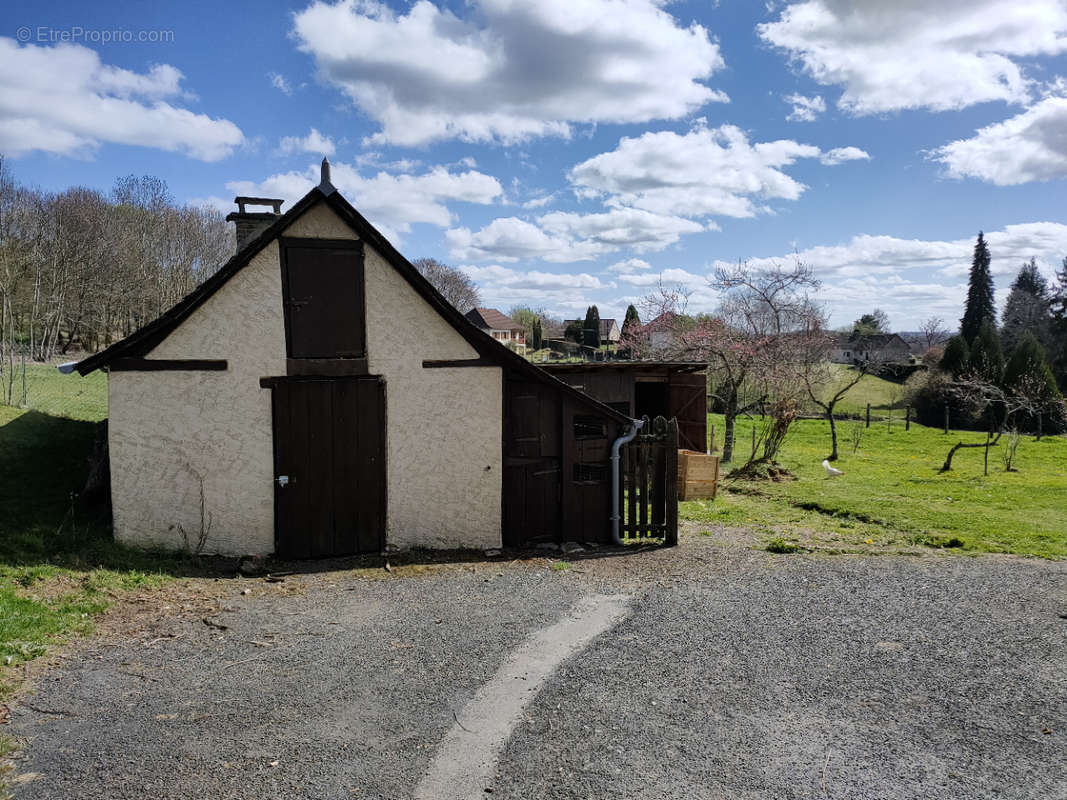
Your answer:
<point x="892" y="497"/>
<point x="58" y="563"/>
<point x="880" y="393"/>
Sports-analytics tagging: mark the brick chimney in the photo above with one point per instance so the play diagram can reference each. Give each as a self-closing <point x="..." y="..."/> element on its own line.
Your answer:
<point x="252" y="223"/>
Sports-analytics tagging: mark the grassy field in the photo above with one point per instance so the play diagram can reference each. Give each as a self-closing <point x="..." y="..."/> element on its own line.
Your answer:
<point x="58" y="564"/>
<point x="892" y="496"/>
<point x="880" y="393"/>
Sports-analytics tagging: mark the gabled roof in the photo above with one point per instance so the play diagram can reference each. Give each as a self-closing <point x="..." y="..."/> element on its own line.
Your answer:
<point x="143" y="340"/>
<point x="870" y="341"/>
<point x="491" y="319"/>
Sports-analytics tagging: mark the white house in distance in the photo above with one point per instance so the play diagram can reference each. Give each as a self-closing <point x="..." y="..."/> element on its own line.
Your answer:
<point x="879" y="348"/>
<point x="500" y="326"/>
<point x="317" y="397"/>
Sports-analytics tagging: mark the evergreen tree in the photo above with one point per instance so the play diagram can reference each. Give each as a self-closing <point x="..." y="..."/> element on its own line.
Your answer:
<point x="632" y="318"/>
<point x="536" y="335"/>
<point x="956" y="357"/>
<point x="980" y="306"/>
<point x="592" y="326"/>
<point x="1028" y="372"/>
<point x="1028" y="362"/>
<point x="1058" y="328"/>
<point x="1027" y="309"/>
<point x="987" y="357"/>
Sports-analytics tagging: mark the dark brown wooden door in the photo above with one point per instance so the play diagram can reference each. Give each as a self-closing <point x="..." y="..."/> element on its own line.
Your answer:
<point x="532" y="470"/>
<point x="324" y="299"/>
<point x="329" y="462"/>
<point x="687" y="400"/>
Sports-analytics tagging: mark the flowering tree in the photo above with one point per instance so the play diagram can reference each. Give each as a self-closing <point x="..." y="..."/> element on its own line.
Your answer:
<point x="756" y="341"/>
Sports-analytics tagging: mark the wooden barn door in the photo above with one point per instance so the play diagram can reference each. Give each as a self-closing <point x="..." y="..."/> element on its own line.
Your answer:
<point x="531" y="464"/>
<point x="687" y="400"/>
<point x="329" y="462"/>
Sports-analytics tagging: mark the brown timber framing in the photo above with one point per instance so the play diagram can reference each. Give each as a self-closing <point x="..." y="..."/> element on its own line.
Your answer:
<point x="141" y="341"/>
<point x="458" y="362"/>
<point x="168" y="365"/>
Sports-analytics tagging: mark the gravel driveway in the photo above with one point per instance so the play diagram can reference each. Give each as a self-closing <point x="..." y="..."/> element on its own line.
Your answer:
<point x="737" y="674"/>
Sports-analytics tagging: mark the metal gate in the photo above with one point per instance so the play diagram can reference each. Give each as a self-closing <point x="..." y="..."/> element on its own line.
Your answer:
<point x="650" y="483"/>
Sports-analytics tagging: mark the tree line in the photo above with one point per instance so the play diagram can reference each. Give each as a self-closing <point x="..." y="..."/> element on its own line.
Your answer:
<point x="1002" y="376"/>
<point x="80" y="269"/>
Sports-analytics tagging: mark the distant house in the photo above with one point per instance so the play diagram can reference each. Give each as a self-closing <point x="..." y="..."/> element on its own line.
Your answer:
<point x="609" y="329"/>
<point x="879" y="348"/>
<point x="500" y="326"/>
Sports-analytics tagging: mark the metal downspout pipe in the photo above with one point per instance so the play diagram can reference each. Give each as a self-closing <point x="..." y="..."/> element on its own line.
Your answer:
<point x="635" y="427"/>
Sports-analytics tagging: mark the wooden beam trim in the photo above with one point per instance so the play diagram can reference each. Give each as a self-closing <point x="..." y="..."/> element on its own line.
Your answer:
<point x="326" y="367"/>
<point x="168" y="365"/>
<point x="459" y="362"/>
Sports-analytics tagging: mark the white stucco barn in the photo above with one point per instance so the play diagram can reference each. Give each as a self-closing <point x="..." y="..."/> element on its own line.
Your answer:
<point x="317" y="397"/>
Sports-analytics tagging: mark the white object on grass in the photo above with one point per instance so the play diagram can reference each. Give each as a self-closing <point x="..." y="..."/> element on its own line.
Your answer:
<point x="833" y="473"/>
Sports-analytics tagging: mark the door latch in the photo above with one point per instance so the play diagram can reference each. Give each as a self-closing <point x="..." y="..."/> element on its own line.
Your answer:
<point x="282" y="480"/>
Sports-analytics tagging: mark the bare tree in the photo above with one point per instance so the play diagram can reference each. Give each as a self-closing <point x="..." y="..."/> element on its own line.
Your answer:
<point x="82" y="267"/>
<point x="822" y="383"/>
<point x="934" y="332"/>
<point x="1029" y="395"/>
<point x="754" y="345"/>
<point x="454" y="286"/>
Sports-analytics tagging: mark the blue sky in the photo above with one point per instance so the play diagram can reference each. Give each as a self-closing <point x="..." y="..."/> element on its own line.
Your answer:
<point x="565" y="153"/>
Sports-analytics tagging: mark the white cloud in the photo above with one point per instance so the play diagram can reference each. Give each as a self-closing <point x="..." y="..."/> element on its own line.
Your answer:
<point x="906" y="54"/>
<point x="314" y="142"/>
<point x="280" y="83"/>
<point x="866" y="254"/>
<point x="539" y="202"/>
<point x="839" y="155"/>
<point x="564" y="237"/>
<point x="668" y="277"/>
<point x="1029" y="147"/>
<point x="629" y="266"/>
<point x="561" y="293"/>
<point x="621" y="227"/>
<point x="393" y="203"/>
<point x="705" y="172"/>
<point x="805" y="109"/>
<point x="497" y="277"/>
<point x="510" y="69"/>
<point x="212" y="201"/>
<point x="514" y="239"/>
<point x="916" y="278"/>
<point x="63" y="100"/>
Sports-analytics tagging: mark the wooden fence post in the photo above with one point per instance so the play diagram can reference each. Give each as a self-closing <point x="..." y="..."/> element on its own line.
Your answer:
<point x="988" y="436"/>
<point x="753" y="440"/>
<point x="946" y="418"/>
<point x="907" y="418"/>
<point x="868" y="415"/>
<point x="670" y="538"/>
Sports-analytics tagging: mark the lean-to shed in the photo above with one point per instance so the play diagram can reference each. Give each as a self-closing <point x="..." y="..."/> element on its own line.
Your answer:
<point x="317" y="397"/>
<point x="647" y="388"/>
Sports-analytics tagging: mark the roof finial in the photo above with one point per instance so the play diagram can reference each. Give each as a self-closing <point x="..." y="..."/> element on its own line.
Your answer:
<point x="324" y="184"/>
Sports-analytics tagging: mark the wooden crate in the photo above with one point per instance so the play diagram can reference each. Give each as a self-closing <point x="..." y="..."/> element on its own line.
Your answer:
<point x="698" y="475"/>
